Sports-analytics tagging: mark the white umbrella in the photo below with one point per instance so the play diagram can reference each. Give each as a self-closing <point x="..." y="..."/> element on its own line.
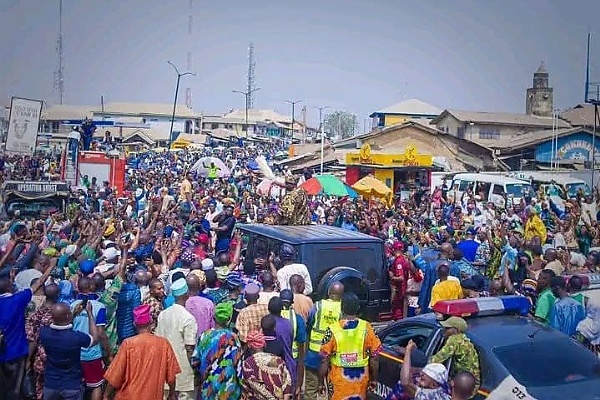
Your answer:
<point x="201" y="167"/>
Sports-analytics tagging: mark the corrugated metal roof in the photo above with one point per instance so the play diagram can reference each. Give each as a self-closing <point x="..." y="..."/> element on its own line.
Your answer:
<point x="65" y="112"/>
<point x="309" y="234"/>
<point x="255" y="115"/>
<point x="533" y="138"/>
<point x="495" y="118"/>
<point x="580" y="115"/>
<point x="147" y="109"/>
<point x="411" y="107"/>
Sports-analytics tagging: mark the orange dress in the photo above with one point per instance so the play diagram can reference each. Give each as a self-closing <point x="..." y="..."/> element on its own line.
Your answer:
<point x="349" y="383"/>
<point x="142" y="367"/>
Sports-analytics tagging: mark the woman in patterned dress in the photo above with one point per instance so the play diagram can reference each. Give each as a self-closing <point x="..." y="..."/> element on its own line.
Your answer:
<point x="265" y="376"/>
<point x="217" y="359"/>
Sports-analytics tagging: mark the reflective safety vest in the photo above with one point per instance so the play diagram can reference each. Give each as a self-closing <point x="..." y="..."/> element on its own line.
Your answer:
<point x="290" y="315"/>
<point x="328" y="313"/>
<point x="350" y="344"/>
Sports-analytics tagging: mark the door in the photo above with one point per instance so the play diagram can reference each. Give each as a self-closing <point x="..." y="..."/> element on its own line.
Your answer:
<point x="394" y="340"/>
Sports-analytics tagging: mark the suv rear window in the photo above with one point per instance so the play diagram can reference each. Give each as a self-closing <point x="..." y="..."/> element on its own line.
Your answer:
<point x="549" y="362"/>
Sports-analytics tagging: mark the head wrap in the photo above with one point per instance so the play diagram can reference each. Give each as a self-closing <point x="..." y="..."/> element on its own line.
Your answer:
<point x="187" y="257"/>
<point x="110" y="229"/>
<point x="233" y="281"/>
<point x="223" y="312"/>
<point x="200" y="274"/>
<point x="256" y="340"/>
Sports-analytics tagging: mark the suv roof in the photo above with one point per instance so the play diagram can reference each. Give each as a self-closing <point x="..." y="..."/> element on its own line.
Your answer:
<point x="300" y="234"/>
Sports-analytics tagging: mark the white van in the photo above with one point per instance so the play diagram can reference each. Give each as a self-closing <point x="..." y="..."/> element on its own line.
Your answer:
<point x="493" y="188"/>
<point x="564" y="186"/>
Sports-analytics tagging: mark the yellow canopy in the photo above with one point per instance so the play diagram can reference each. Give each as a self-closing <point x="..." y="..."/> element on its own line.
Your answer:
<point x="370" y="186"/>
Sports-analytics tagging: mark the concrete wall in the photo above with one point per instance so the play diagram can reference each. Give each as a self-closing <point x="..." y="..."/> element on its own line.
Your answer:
<point x="451" y="125"/>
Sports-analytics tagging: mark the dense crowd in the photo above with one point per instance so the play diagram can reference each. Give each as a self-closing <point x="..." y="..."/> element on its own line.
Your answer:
<point x="142" y="294"/>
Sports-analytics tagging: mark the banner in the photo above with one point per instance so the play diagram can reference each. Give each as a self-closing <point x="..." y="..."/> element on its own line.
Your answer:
<point x="23" y="125"/>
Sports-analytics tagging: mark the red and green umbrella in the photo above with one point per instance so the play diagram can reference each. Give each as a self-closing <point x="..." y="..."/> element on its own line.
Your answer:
<point x="329" y="185"/>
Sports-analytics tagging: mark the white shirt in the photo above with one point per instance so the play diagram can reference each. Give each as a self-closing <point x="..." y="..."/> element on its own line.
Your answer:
<point x="179" y="327"/>
<point x="264" y="297"/>
<point x="284" y="274"/>
<point x="75" y="135"/>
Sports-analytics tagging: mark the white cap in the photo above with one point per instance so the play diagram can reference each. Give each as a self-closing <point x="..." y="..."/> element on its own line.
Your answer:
<point x="437" y="372"/>
<point x="111" y="253"/>
<point x="207" y="264"/>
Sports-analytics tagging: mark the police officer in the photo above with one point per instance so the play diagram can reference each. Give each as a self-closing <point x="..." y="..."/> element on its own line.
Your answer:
<point x="324" y="313"/>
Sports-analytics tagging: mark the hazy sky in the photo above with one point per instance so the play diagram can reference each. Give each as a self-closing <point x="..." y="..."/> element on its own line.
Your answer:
<point x="353" y="55"/>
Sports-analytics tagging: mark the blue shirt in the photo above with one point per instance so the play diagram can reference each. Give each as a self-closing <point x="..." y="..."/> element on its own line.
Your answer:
<point x="81" y="324"/>
<point x="63" y="347"/>
<point x="12" y="323"/>
<point x="468" y="248"/>
<point x="566" y="314"/>
<point x="129" y="299"/>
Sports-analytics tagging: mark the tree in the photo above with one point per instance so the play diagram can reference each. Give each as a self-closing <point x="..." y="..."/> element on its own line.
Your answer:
<point x="340" y="124"/>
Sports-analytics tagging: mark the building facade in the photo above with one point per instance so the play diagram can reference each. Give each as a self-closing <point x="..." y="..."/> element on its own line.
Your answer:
<point x="408" y="110"/>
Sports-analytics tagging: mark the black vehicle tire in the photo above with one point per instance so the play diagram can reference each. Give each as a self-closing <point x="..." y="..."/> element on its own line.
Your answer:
<point x="353" y="280"/>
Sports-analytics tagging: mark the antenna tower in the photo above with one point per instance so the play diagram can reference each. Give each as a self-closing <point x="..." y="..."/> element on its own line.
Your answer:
<point x="251" y="87"/>
<point x="188" y="90"/>
<point x="59" y="83"/>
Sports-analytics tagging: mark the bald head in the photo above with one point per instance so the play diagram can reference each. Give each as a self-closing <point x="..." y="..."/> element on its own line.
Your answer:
<point x="336" y="291"/>
<point x="447" y="250"/>
<point x="61" y="314"/>
<point x="463" y="385"/>
<point x="193" y="283"/>
<point x="141" y="277"/>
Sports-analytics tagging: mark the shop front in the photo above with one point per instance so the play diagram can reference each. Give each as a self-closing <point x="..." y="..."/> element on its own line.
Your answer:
<point x="400" y="172"/>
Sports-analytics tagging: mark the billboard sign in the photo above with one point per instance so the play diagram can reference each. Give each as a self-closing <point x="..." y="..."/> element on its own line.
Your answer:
<point x="23" y="124"/>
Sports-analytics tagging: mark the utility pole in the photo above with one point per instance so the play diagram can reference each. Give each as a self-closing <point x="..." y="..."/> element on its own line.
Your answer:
<point x="248" y="97"/>
<point x="321" y="109"/>
<point x="60" y="77"/>
<point x="179" y="75"/>
<point x="293" y="103"/>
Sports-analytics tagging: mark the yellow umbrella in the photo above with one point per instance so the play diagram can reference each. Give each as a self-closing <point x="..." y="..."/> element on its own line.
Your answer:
<point x="370" y="186"/>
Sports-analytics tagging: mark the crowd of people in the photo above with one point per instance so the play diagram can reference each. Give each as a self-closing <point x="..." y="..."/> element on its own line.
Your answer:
<point x="142" y="294"/>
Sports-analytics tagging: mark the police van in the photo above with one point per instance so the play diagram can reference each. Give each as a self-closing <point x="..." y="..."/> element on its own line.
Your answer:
<point x="31" y="198"/>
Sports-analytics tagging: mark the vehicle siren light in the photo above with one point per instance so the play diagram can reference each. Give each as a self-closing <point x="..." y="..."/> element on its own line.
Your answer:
<point x="483" y="306"/>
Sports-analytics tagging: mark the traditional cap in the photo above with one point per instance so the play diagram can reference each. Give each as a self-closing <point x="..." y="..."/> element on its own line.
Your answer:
<point x="87" y="266"/>
<point x="142" y="315"/>
<point x="70" y="249"/>
<point x="223" y="312"/>
<point x="437" y="372"/>
<point x="455" y="322"/>
<point x="200" y="274"/>
<point x="207" y="264"/>
<point x="252" y="289"/>
<point x="179" y="287"/>
<point x="286" y="295"/>
<point x="398" y="246"/>
<point x="110" y="253"/>
<point x="287" y="251"/>
<point x="203" y="238"/>
<point x="233" y="280"/>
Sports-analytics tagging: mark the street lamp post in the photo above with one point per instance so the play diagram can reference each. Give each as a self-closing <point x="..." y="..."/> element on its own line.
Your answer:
<point x="179" y="75"/>
<point x="293" y="103"/>
<point x="246" y="96"/>
<point x="321" y="109"/>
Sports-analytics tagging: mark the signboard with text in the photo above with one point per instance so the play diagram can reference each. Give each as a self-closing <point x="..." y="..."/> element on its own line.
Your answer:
<point x="23" y="124"/>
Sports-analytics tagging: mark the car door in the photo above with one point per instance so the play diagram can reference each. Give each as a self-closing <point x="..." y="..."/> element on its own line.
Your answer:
<point x="394" y="339"/>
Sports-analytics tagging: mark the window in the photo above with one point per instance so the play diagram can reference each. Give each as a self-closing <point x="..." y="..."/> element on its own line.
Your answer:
<point x="498" y="189"/>
<point x="398" y="338"/>
<point x="188" y="126"/>
<point x="577" y="364"/>
<point x="489" y="133"/>
<point x="214" y="125"/>
<point x="460" y="132"/>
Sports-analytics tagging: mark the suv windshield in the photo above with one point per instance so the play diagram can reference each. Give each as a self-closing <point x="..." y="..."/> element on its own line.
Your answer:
<point x="549" y="362"/>
<point x="519" y="190"/>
